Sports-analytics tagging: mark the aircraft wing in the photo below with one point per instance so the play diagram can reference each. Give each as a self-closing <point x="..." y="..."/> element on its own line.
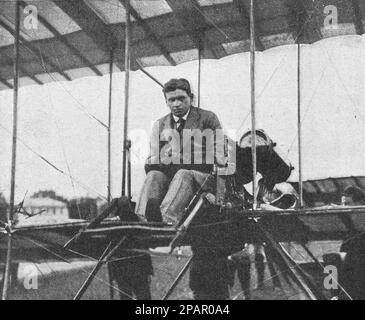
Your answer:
<point x="69" y="39"/>
<point x="46" y="243"/>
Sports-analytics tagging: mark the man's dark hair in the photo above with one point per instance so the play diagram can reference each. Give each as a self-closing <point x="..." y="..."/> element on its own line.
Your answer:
<point x="357" y="194"/>
<point x="175" y="84"/>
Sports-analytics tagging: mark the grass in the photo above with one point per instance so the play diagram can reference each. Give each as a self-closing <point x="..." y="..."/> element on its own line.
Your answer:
<point x="63" y="285"/>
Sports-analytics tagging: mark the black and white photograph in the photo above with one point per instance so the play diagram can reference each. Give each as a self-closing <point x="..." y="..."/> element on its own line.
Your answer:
<point x="195" y="152"/>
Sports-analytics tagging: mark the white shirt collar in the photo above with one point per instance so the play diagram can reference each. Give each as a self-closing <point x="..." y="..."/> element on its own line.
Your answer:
<point x="176" y="119"/>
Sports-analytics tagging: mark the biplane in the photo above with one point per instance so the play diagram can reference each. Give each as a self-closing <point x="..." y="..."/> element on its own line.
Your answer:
<point x="83" y="35"/>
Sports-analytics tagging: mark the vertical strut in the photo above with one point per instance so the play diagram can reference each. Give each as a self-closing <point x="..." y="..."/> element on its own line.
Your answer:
<point x="13" y="155"/>
<point x="126" y="95"/>
<point x="110" y="121"/>
<point x="199" y="71"/>
<point x="110" y="271"/>
<point x="300" y="130"/>
<point x="253" y="102"/>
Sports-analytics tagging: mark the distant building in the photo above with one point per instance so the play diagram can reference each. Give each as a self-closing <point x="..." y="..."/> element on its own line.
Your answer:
<point x="46" y="210"/>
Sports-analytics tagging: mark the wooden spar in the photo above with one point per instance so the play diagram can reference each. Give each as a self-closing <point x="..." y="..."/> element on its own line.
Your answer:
<point x="13" y="156"/>
<point x="199" y="72"/>
<point x="253" y="103"/>
<point x="111" y="63"/>
<point x="126" y="95"/>
<point x="110" y="121"/>
<point x="300" y="129"/>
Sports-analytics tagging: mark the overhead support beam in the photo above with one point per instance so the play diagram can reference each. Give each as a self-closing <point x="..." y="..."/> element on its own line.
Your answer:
<point x="246" y="18"/>
<point x="358" y="18"/>
<point x="70" y="46"/>
<point x="31" y="48"/>
<point x="189" y="14"/>
<point x="149" y="33"/>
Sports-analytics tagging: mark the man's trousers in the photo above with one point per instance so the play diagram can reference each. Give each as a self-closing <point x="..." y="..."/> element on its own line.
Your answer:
<point x="173" y="194"/>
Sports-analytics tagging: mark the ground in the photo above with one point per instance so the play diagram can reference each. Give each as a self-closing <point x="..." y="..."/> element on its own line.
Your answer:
<point x="64" y="284"/>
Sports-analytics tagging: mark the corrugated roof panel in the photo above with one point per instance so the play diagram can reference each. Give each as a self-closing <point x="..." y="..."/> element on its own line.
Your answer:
<point x="148" y="8"/>
<point x="55" y="16"/>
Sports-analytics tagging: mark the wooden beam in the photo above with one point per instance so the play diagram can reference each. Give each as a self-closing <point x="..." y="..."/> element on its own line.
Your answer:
<point x="150" y="34"/>
<point x="246" y="20"/>
<point x="31" y="48"/>
<point x="358" y="18"/>
<point x="189" y="14"/>
<point x="70" y="46"/>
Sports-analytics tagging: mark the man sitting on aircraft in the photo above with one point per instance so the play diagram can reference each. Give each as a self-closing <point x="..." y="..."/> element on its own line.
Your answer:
<point x="183" y="152"/>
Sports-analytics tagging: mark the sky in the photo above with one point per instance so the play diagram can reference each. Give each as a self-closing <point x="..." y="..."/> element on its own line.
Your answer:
<point x="57" y="120"/>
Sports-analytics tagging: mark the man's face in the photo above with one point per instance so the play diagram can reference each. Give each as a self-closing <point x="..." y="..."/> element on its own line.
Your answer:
<point x="178" y="101"/>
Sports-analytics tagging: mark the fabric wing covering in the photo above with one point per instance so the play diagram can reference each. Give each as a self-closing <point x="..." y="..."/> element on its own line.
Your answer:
<point x="71" y="39"/>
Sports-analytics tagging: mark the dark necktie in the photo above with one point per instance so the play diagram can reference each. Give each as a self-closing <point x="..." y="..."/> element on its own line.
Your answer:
<point x="180" y="125"/>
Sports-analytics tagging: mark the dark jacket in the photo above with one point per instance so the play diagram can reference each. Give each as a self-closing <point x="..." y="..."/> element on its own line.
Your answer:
<point x="169" y="150"/>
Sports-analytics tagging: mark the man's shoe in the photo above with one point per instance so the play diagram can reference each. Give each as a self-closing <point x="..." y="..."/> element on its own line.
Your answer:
<point x="153" y="212"/>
